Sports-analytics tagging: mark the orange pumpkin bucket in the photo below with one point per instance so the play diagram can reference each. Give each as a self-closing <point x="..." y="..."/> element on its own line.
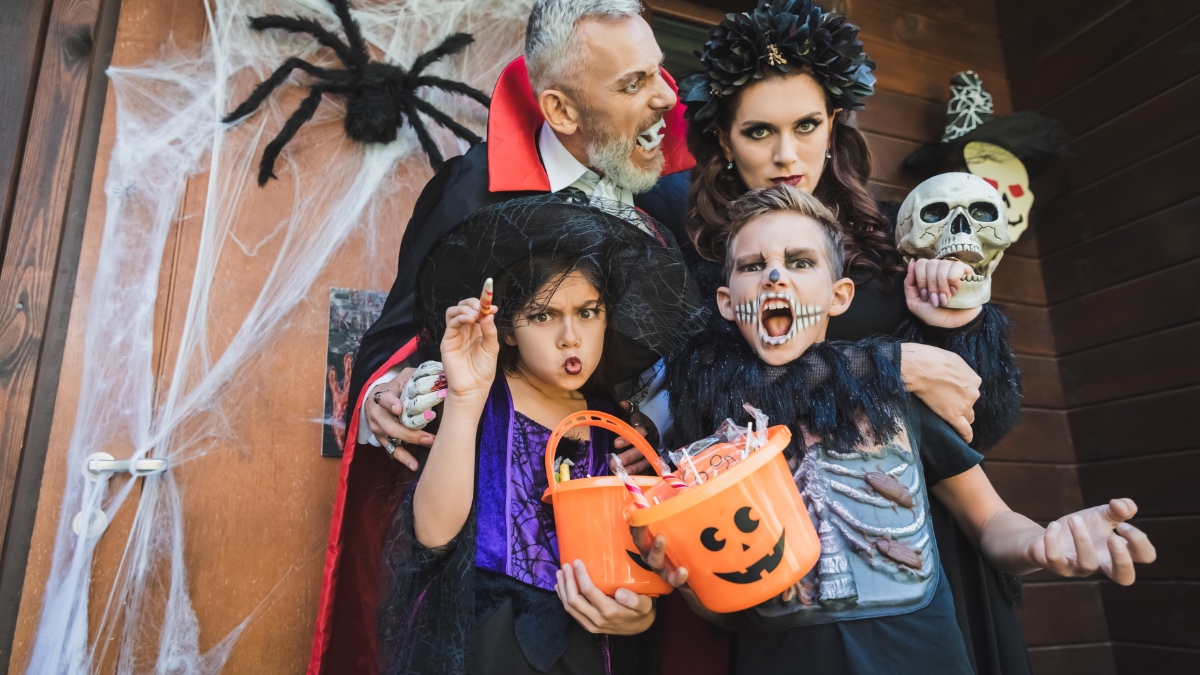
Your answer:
<point x="744" y="535"/>
<point x="589" y="515"/>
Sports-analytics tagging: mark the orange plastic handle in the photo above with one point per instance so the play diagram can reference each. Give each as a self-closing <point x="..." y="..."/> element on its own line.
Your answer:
<point x="594" y="418"/>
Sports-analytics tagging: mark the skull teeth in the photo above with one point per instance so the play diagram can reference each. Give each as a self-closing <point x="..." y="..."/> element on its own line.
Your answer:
<point x="803" y="316"/>
<point x="973" y="277"/>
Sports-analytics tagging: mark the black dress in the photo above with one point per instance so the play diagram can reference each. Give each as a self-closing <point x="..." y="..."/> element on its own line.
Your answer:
<point x="985" y="602"/>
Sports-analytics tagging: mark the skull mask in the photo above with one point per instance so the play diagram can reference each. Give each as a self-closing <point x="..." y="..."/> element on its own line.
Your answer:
<point x="1003" y="171"/>
<point x="956" y="216"/>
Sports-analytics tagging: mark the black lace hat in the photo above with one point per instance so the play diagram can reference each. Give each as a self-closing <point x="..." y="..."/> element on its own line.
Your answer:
<point x="1032" y="138"/>
<point x="652" y="302"/>
<point x="780" y="34"/>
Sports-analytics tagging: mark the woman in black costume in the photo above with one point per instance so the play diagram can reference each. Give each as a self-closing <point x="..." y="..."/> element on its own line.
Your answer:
<point x="772" y="105"/>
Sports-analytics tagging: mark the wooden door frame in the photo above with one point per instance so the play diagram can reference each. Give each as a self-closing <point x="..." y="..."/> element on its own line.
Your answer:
<point x="42" y="236"/>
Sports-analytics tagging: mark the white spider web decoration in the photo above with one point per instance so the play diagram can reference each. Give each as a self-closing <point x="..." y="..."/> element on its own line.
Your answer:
<point x="168" y="134"/>
<point x="969" y="107"/>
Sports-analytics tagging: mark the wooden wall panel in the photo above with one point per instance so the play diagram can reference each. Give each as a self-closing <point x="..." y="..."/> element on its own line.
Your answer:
<point x="1018" y="280"/>
<point x="1135" y="192"/>
<point x="1135" y="251"/>
<point x="1115" y="228"/>
<point x="1149" y="304"/>
<point x="1038" y="490"/>
<point x="1137" y="659"/>
<point x="1152" y="424"/>
<point x="1088" y="659"/>
<point x="31" y="250"/>
<point x="1162" y="484"/>
<point x="1042" y="436"/>
<point x="1154" y="613"/>
<point x="1148" y="70"/>
<point x="1177" y="540"/>
<point x="1059" y="613"/>
<point x="1114" y="37"/>
<point x="1156" y="362"/>
<point x="22" y="30"/>
<point x="1033" y="31"/>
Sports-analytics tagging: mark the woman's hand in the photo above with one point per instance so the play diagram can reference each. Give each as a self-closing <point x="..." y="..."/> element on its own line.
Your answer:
<point x="470" y="348"/>
<point x="1094" y="539"/>
<point x="944" y="382"/>
<point x="625" y="613"/>
<point x="928" y="288"/>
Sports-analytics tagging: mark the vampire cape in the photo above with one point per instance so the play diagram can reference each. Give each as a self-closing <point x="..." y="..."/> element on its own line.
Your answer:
<point x="505" y="167"/>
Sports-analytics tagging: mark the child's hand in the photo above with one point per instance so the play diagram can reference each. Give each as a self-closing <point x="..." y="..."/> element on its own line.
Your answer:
<point x="654" y="554"/>
<point x="469" y="350"/>
<point x="1096" y="538"/>
<point x="928" y="288"/>
<point x="625" y="613"/>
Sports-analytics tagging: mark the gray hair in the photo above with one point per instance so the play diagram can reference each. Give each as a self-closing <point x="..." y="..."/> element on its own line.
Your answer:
<point x="550" y="52"/>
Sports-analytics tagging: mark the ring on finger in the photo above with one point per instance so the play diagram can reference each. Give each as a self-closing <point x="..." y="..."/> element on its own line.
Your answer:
<point x="376" y="395"/>
<point x="391" y="448"/>
<point x="392" y="440"/>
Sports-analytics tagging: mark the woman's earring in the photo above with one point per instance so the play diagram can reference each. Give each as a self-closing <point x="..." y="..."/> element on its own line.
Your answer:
<point x="828" y="155"/>
<point x="729" y="166"/>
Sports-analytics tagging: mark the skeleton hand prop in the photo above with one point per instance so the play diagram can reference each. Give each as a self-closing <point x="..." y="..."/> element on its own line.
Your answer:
<point x="960" y="217"/>
<point x="422" y="394"/>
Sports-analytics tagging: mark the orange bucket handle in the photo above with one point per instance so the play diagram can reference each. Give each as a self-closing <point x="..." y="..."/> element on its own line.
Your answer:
<point x="593" y="418"/>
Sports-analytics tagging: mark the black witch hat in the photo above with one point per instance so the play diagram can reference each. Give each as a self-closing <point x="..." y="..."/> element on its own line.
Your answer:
<point x="653" y="306"/>
<point x="1032" y="138"/>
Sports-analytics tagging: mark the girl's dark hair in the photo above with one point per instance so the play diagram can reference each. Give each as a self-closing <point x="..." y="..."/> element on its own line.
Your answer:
<point x="870" y="251"/>
<point x="526" y="288"/>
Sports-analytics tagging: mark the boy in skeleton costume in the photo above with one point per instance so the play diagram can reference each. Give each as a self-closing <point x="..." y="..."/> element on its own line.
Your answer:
<point x="867" y="459"/>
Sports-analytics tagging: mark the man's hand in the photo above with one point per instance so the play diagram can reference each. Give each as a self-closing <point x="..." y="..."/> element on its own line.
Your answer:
<point x="625" y="613"/>
<point x="632" y="458"/>
<point x="384" y="408"/>
<point x="944" y="382"/>
<point x="928" y="288"/>
<point x="423" y="392"/>
<point x="1096" y="538"/>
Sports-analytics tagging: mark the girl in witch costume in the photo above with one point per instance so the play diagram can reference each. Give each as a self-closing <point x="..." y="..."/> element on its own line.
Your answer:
<point x="472" y="581"/>
<point x="772" y="107"/>
<point x="868" y="460"/>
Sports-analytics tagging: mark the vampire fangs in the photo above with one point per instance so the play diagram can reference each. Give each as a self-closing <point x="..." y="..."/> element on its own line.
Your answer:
<point x="777" y="316"/>
<point x="650" y="138"/>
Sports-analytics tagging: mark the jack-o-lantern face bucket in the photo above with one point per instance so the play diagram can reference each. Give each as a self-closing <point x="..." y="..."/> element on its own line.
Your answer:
<point x="589" y="517"/>
<point x="744" y="536"/>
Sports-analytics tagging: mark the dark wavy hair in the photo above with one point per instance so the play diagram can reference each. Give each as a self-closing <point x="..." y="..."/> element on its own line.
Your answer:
<point x="870" y="249"/>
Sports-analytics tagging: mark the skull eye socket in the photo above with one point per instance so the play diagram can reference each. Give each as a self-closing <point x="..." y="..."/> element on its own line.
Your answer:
<point x="743" y="520"/>
<point x="1016" y="190"/>
<point x="709" y="538"/>
<point x="935" y="212"/>
<point x="984" y="212"/>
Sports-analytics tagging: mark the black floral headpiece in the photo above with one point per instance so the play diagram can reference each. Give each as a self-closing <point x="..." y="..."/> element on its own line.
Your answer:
<point x="782" y="34"/>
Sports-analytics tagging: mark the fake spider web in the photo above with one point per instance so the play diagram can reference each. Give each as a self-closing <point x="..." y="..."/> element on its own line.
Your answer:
<point x="170" y="150"/>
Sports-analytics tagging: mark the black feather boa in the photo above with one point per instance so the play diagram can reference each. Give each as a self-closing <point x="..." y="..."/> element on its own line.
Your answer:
<point x="846" y="392"/>
<point x="983" y="344"/>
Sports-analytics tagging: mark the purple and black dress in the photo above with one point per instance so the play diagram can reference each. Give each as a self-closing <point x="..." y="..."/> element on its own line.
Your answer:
<point x="485" y="602"/>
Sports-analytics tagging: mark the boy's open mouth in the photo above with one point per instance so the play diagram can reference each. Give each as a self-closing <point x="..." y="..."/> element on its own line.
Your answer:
<point x="777" y="316"/>
<point x="573" y="365"/>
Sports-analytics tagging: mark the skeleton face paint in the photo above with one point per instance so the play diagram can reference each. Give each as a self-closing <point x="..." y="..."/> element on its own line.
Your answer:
<point x="1003" y="171"/>
<point x="780" y="287"/>
<point x="956" y="216"/>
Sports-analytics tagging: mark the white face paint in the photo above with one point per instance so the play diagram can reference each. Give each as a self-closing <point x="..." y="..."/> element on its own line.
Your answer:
<point x="956" y="216"/>
<point x="776" y="317"/>
<point x="1003" y="171"/>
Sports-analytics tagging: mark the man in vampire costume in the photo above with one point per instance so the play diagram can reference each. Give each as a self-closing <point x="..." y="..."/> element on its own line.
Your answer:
<point x="587" y="109"/>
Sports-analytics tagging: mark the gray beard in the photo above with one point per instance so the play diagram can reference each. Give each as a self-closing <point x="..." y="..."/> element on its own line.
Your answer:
<point x="609" y="155"/>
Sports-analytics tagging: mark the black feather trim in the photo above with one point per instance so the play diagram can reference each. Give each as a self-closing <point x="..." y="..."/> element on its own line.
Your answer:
<point x="841" y="391"/>
<point x="984" y="345"/>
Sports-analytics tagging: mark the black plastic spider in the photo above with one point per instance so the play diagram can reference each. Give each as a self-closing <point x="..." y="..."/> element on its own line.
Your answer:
<point x="378" y="95"/>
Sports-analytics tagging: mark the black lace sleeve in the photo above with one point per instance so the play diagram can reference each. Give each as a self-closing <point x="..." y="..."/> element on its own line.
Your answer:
<point x="427" y="600"/>
<point x="984" y="345"/>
